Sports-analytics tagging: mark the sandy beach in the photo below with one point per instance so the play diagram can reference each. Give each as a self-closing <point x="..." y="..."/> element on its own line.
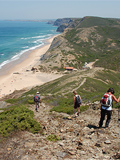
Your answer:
<point x="18" y="75"/>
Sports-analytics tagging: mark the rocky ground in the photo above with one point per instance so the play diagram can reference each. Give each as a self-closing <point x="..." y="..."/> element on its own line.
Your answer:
<point x="80" y="139"/>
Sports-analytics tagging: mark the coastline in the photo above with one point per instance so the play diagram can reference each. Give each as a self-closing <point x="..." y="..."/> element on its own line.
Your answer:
<point x="17" y="75"/>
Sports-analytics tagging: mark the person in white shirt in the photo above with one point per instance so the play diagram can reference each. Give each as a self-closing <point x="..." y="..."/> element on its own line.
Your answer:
<point x="107" y="110"/>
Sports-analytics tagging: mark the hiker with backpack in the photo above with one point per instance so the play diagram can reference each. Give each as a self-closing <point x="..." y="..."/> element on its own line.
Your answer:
<point x="37" y="100"/>
<point x="77" y="101"/>
<point x="106" y="106"/>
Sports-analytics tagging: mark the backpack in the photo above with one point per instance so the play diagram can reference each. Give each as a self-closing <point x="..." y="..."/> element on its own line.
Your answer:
<point x="36" y="98"/>
<point x="106" y="100"/>
<point x="78" y="100"/>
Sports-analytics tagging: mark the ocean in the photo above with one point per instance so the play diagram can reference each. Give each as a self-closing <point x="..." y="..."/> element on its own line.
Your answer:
<point x="18" y="37"/>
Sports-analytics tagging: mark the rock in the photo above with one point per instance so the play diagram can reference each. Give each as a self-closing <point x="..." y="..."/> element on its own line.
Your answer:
<point x="9" y="149"/>
<point x="69" y="118"/>
<point x="98" y="144"/>
<point x="62" y="130"/>
<point x="61" y="154"/>
<point x="61" y="143"/>
<point x="3" y="104"/>
<point x="80" y="147"/>
<point x="72" y="152"/>
<point x="83" y="152"/>
<point x="107" y="142"/>
<point x="117" y="155"/>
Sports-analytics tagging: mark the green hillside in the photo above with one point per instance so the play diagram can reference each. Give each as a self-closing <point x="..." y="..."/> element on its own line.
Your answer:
<point x="86" y="40"/>
<point x="90" y="84"/>
<point x="96" y="21"/>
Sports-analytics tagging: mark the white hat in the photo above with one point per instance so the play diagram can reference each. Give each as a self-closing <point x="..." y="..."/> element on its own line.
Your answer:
<point x="37" y="92"/>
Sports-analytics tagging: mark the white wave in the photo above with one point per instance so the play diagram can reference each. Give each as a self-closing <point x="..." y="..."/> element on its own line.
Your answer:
<point x="24" y="38"/>
<point x="3" y="63"/>
<point x="38" y="41"/>
<point x="25" y="47"/>
<point x="17" y="56"/>
<point x="34" y="37"/>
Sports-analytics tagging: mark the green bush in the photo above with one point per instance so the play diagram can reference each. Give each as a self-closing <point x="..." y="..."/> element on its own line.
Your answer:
<point x="31" y="101"/>
<point x="18" y="118"/>
<point x="53" y="138"/>
<point x="83" y="108"/>
<point x="12" y="101"/>
<point x="65" y="105"/>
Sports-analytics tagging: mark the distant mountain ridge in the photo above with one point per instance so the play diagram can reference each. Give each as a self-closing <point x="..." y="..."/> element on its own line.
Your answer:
<point x="84" y="40"/>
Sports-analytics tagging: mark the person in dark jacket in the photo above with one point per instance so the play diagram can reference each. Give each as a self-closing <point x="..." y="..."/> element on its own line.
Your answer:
<point x="37" y="100"/>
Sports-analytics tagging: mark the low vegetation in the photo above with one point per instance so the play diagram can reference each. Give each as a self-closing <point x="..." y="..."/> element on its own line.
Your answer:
<point x="53" y="138"/>
<point x="18" y="118"/>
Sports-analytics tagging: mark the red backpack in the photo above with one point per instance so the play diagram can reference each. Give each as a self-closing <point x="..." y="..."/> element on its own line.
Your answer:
<point x="36" y="98"/>
<point x="106" y="100"/>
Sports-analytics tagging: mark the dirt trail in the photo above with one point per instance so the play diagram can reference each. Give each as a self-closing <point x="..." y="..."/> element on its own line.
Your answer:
<point x="79" y="138"/>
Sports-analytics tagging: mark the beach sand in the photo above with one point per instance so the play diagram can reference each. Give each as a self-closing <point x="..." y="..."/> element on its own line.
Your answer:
<point x="18" y="75"/>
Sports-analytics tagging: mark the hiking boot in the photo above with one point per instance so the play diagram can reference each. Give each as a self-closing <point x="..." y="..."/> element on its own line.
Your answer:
<point x="36" y="110"/>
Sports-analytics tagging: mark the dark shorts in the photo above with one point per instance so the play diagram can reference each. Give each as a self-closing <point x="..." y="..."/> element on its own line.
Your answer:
<point x="38" y="103"/>
<point x="76" y="106"/>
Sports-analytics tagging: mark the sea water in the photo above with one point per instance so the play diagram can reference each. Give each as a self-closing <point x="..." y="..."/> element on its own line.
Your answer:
<point x="18" y="37"/>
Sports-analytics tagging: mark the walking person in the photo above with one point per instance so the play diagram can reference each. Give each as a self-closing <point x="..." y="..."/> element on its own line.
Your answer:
<point x="77" y="101"/>
<point x="37" y="100"/>
<point x="106" y="106"/>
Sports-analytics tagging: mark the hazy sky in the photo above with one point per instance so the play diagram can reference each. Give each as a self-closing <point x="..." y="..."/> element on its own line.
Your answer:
<point x="53" y="9"/>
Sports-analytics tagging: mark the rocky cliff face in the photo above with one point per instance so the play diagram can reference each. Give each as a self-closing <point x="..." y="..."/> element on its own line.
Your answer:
<point x="64" y="23"/>
<point x="61" y="21"/>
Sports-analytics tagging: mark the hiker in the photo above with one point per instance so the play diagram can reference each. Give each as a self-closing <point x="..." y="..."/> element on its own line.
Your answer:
<point x="37" y="100"/>
<point x="77" y="101"/>
<point x="106" y="109"/>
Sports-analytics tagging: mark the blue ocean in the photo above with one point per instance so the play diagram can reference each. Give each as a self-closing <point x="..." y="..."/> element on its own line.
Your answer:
<point x="18" y="37"/>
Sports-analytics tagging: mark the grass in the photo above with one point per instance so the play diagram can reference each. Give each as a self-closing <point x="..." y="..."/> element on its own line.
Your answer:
<point x="18" y="118"/>
<point x="58" y="93"/>
<point x="65" y="105"/>
<point x="53" y="138"/>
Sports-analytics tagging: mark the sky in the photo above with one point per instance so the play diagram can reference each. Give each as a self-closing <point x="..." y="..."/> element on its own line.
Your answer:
<point x="54" y="9"/>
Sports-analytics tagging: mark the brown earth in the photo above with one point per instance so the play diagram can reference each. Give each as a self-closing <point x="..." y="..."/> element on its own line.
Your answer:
<point x="80" y="138"/>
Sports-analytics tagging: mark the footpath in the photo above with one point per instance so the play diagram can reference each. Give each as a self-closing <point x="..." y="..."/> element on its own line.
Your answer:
<point x="80" y="139"/>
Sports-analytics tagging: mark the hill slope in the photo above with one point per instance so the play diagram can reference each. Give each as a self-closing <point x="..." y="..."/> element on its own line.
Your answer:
<point x="85" y="40"/>
<point x="79" y="138"/>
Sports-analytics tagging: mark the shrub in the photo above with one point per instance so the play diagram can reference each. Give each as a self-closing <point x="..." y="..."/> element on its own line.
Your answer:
<point x="53" y="138"/>
<point x="31" y="101"/>
<point x="18" y="118"/>
<point x="12" y="101"/>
